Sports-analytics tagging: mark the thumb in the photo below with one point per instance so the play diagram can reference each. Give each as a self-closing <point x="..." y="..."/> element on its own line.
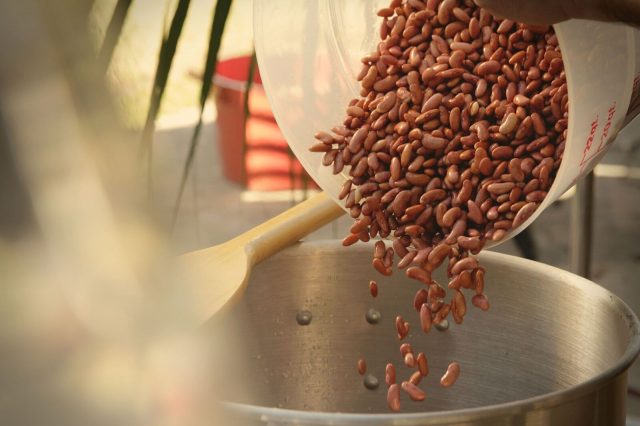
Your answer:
<point x="527" y="11"/>
<point x="553" y="11"/>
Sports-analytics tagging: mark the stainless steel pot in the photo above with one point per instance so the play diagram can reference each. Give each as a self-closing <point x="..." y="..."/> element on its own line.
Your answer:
<point x="554" y="348"/>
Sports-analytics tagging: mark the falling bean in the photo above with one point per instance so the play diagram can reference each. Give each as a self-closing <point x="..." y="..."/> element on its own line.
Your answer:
<point x="451" y="375"/>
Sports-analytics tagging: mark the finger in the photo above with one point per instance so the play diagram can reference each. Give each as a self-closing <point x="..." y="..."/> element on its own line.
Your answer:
<point x="527" y="11"/>
<point x="554" y="11"/>
<point x="627" y="11"/>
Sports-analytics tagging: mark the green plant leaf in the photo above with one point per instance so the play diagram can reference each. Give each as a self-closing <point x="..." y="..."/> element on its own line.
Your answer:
<point x="220" y="15"/>
<point x="112" y="34"/>
<point x="165" y="59"/>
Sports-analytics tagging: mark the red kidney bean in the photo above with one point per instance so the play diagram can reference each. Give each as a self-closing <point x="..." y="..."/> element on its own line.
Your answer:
<point x="405" y="348"/>
<point x="350" y="240"/>
<point x="399" y="248"/>
<point x="488" y="67"/>
<point x="388" y="258"/>
<point x="373" y="288"/>
<point x="515" y="170"/>
<point x="407" y="259"/>
<point x="459" y="228"/>
<point x="390" y="374"/>
<point x="360" y="225"/>
<point x="524" y="213"/>
<point x="458" y="306"/>
<point x="473" y="244"/>
<point x="425" y="317"/>
<point x="401" y="327"/>
<point x="393" y="397"/>
<point x="500" y="188"/>
<point x="421" y="297"/>
<point x="422" y="255"/>
<point x="414" y="392"/>
<point x="415" y="378"/>
<point x="502" y="153"/>
<point x="508" y="124"/>
<point x="431" y="142"/>
<point x="423" y="364"/>
<point x="498" y="234"/>
<point x="480" y="301"/>
<point x="536" y="196"/>
<point x="464" y="264"/>
<point x="485" y="166"/>
<point x="466" y="280"/>
<point x="362" y="366"/>
<point x="475" y="214"/>
<point x="441" y="313"/>
<point x="449" y="218"/>
<point x="432" y="196"/>
<point x="409" y="360"/>
<point x="378" y="264"/>
<point x="478" y="280"/>
<point x="417" y="273"/>
<point x="439" y="253"/>
<point x="451" y="375"/>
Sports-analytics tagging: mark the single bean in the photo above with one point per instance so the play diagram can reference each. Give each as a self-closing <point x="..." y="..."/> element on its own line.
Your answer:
<point x="425" y="318"/>
<point x="480" y="301"/>
<point x="423" y="364"/>
<point x="362" y="366"/>
<point x="414" y="392"/>
<point x="415" y="378"/>
<point x="390" y="374"/>
<point x="393" y="397"/>
<point x="464" y="264"/>
<point x="421" y="297"/>
<point x="451" y="375"/>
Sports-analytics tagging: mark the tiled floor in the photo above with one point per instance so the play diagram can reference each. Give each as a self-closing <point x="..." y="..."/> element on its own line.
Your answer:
<point x="215" y="210"/>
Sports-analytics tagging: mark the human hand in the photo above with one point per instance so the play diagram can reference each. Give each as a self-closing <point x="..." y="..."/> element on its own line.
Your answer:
<point x="553" y="11"/>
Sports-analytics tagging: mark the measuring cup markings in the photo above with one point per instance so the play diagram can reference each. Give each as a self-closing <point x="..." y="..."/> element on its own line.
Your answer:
<point x="586" y="156"/>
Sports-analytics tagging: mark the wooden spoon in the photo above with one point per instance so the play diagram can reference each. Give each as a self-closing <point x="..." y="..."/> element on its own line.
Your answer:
<point x="221" y="272"/>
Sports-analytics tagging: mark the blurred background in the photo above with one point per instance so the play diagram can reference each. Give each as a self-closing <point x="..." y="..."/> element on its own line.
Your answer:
<point x="134" y="130"/>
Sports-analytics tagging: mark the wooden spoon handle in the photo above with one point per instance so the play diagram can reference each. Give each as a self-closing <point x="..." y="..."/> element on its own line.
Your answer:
<point x="289" y="227"/>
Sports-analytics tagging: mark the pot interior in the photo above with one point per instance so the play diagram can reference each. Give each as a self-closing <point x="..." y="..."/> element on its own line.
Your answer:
<point x="547" y="330"/>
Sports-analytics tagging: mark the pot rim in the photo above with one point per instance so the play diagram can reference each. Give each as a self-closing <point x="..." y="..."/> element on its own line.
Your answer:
<point x="507" y="408"/>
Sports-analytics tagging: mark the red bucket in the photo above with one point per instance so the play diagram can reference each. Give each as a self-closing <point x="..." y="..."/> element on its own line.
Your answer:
<point x="267" y="164"/>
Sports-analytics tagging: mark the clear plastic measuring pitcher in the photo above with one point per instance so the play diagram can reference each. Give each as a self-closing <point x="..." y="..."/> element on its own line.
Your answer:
<point x="309" y="55"/>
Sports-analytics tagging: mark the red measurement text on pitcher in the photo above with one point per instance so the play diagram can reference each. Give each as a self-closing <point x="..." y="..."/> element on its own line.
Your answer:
<point x="587" y="155"/>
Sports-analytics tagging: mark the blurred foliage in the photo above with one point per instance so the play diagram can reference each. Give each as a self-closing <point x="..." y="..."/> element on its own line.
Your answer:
<point x="165" y="59"/>
<point x="170" y="38"/>
<point x="220" y="15"/>
<point x="134" y="61"/>
<point x="112" y="34"/>
<point x="173" y="36"/>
